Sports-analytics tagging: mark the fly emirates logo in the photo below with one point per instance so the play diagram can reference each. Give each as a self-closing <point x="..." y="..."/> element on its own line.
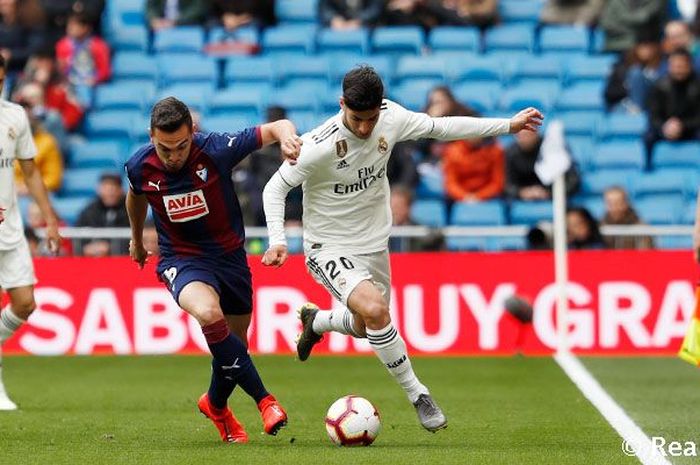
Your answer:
<point x="186" y="207"/>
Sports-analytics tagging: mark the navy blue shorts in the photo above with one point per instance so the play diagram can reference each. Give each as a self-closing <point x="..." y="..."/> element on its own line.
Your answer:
<point x="228" y="274"/>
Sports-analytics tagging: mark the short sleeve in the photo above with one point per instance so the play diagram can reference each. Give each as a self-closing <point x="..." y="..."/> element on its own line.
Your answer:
<point x="26" y="149"/>
<point x="231" y="149"/>
<point x="133" y="176"/>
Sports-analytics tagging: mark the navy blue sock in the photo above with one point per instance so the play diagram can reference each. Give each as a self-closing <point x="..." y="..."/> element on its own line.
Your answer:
<point x="233" y="364"/>
<point x="220" y="387"/>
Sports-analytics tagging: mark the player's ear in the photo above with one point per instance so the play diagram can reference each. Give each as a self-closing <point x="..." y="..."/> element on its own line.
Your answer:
<point x="342" y="103"/>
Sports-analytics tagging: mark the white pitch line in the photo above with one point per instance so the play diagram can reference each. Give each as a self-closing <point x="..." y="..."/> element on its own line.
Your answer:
<point x="611" y="411"/>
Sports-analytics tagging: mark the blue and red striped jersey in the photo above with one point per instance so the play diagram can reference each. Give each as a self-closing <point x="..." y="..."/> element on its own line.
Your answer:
<point x="195" y="210"/>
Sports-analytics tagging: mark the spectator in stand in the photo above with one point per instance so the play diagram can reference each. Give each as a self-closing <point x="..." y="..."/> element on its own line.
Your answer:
<point x="35" y="220"/>
<point x="232" y="14"/>
<point x="108" y="210"/>
<point x="576" y="12"/>
<point x="687" y="9"/>
<point x="674" y="103"/>
<point x="522" y="183"/>
<point x="42" y="69"/>
<point x="481" y="13"/>
<point x="474" y="170"/>
<point x="349" y="14"/>
<point x="624" y="20"/>
<point x="618" y="211"/>
<point x="83" y="58"/>
<point x="21" y="32"/>
<point x="164" y="14"/>
<point x="58" y="11"/>
<point x="401" y="201"/>
<point x="678" y="34"/>
<point x="31" y="94"/>
<point x="582" y="230"/>
<point x="48" y="159"/>
<point x="634" y="75"/>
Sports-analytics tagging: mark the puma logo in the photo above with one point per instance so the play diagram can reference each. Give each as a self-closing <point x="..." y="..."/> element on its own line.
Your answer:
<point x="230" y="141"/>
<point x="155" y="184"/>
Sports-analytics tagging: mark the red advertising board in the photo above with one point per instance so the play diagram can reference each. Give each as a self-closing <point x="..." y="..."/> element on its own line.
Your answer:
<point x="620" y="302"/>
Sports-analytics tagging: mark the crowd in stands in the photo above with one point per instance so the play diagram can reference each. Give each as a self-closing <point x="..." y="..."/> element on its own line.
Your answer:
<point x="60" y="54"/>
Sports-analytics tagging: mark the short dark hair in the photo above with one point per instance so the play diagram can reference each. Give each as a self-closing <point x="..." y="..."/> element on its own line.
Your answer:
<point x="2" y="62"/>
<point x="681" y="52"/>
<point x="111" y="177"/>
<point x="169" y="114"/>
<point x="363" y="89"/>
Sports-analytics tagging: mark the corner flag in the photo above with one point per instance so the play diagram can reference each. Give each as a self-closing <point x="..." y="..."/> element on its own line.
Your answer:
<point x="690" y="350"/>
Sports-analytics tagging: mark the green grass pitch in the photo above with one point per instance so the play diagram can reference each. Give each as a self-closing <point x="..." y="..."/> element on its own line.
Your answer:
<point x="141" y="410"/>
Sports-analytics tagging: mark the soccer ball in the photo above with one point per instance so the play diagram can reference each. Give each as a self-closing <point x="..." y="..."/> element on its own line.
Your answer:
<point x="353" y="421"/>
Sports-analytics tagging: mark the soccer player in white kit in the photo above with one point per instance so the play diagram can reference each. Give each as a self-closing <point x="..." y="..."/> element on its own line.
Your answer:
<point x="347" y="219"/>
<point x="16" y="269"/>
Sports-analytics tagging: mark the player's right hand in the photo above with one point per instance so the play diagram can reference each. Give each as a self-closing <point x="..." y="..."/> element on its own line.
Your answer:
<point x="276" y="255"/>
<point x="291" y="148"/>
<point x="138" y="253"/>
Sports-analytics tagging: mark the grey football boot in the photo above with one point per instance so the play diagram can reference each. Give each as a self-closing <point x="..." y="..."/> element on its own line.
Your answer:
<point x="308" y="338"/>
<point x="429" y="414"/>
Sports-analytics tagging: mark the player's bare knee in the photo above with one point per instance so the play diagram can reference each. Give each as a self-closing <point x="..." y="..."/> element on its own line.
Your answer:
<point x="376" y="314"/>
<point x="24" y="307"/>
<point x="208" y="314"/>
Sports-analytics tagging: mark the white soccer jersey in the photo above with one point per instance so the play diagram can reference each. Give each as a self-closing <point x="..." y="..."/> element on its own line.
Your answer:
<point x="346" y="191"/>
<point x="15" y="142"/>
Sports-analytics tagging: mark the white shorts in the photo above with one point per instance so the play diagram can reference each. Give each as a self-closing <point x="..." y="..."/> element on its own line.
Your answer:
<point x="16" y="267"/>
<point x="340" y="273"/>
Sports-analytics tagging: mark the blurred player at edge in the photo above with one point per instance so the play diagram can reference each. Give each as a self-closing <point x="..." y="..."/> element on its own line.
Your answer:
<point x="185" y="176"/>
<point x="347" y="220"/>
<point x="16" y="268"/>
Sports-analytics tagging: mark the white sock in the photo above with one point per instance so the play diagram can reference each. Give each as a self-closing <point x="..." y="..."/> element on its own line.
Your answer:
<point x="339" y="320"/>
<point x="391" y="350"/>
<point x="9" y="323"/>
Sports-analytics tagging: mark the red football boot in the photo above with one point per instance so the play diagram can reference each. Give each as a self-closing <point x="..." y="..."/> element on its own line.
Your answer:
<point x="229" y="427"/>
<point x="273" y="415"/>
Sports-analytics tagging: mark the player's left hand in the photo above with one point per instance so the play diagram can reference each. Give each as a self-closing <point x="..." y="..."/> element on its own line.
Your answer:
<point x="53" y="238"/>
<point x="139" y="254"/>
<point x="528" y="119"/>
<point x="291" y="148"/>
<point x="276" y="255"/>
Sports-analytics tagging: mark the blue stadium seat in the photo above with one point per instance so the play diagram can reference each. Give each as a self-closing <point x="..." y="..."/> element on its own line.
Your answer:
<point x="289" y="39"/>
<point x="588" y="68"/>
<point x="332" y="41"/>
<point x="619" y="155"/>
<point x="294" y="99"/>
<point x="128" y="95"/>
<point x="97" y="154"/>
<point x="113" y="123"/>
<point x="594" y="204"/>
<point x="509" y="37"/>
<point x="580" y="123"/>
<point x="684" y="242"/>
<point x="329" y="101"/>
<point x="228" y="123"/>
<point x="244" y="34"/>
<point x="530" y="213"/>
<point x="129" y="38"/>
<point x="181" y="39"/>
<point x="623" y="126"/>
<point x="297" y="11"/>
<point x="481" y="96"/>
<point x="491" y="213"/>
<point x="581" y="97"/>
<point x="676" y="155"/>
<point x="134" y="65"/>
<point x="413" y="67"/>
<point x="249" y="69"/>
<point x="477" y="68"/>
<point x="139" y="131"/>
<point x="81" y="182"/>
<point x="305" y="121"/>
<point x="237" y="100"/>
<point x="673" y="182"/>
<point x="460" y="38"/>
<point x="687" y="178"/>
<point x="431" y="185"/>
<point x="595" y="183"/>
<point x="397" y="40"/>
<point x="431" y="213"/>
<point x="539" y="94"/>
<point x="315" y="68"/>
<point x="413" y="94"/>
<point x="69" y="208"/>
<point x="569" y="39"/>
<point x="124" y="13"/>
<point x="581" y="149"/>
<point x="467" y="243"/>
<point x="182" y="68"/>
<point x="689" y="212"/>
<point x="520" y="11"/>
<point x="194" y="95"/>
<point x="534" y="67"/>
<point x="660" y="209"/>
<point x="383" y="64"/>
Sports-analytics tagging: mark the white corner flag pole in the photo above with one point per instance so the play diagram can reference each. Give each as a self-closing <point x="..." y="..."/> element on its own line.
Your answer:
<point x="561" y="265"/>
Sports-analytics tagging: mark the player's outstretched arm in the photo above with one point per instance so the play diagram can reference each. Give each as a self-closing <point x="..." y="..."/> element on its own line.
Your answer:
<point x="284" y="132"/>
<point x="35" y="186"/>
<point x="136" y="209"/>
<point x="274" y="199"/>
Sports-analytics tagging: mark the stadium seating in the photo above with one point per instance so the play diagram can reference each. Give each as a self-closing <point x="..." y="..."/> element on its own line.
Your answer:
<point x="478" y="68"/>
<point x="584" y="68"/>
<point x="429" y="212"/>
<point x="676" y="155"/>
<point x="130" y="38"/>
<point x="97" y="154"/>
<point x="134" y="66"/>
<point x="619" y="155"/>
<point x="411" y="67"/>
<point x="570" y="39"/>
<point x="396" y="40"/>
<point x="518" y="11"/>
<point x="478" y="214"/>
<point x="660" y="209"/>
<point x="127" y="95"/>
<point x="68" y="209"/>
<point x="623" y="126"/>
<point x="295" y="39"/>
<point x="455" y="38"/>
<point x="509" y="37"/>
<point x="249" y="69"/>
<point x="539" y="68"/>
<point x="81" y="181"/>
<point x="530" y="213"/>
<point x="187" y="68"/>
<point x="296" y="11"/>
<point x="181" y="39"/>
<point x="585" y="96"/>
<point x="332" y="41"/>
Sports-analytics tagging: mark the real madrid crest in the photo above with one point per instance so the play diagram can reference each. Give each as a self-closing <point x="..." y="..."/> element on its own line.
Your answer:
<point x="341" y="148"/>
<point x="382" y="146"/>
